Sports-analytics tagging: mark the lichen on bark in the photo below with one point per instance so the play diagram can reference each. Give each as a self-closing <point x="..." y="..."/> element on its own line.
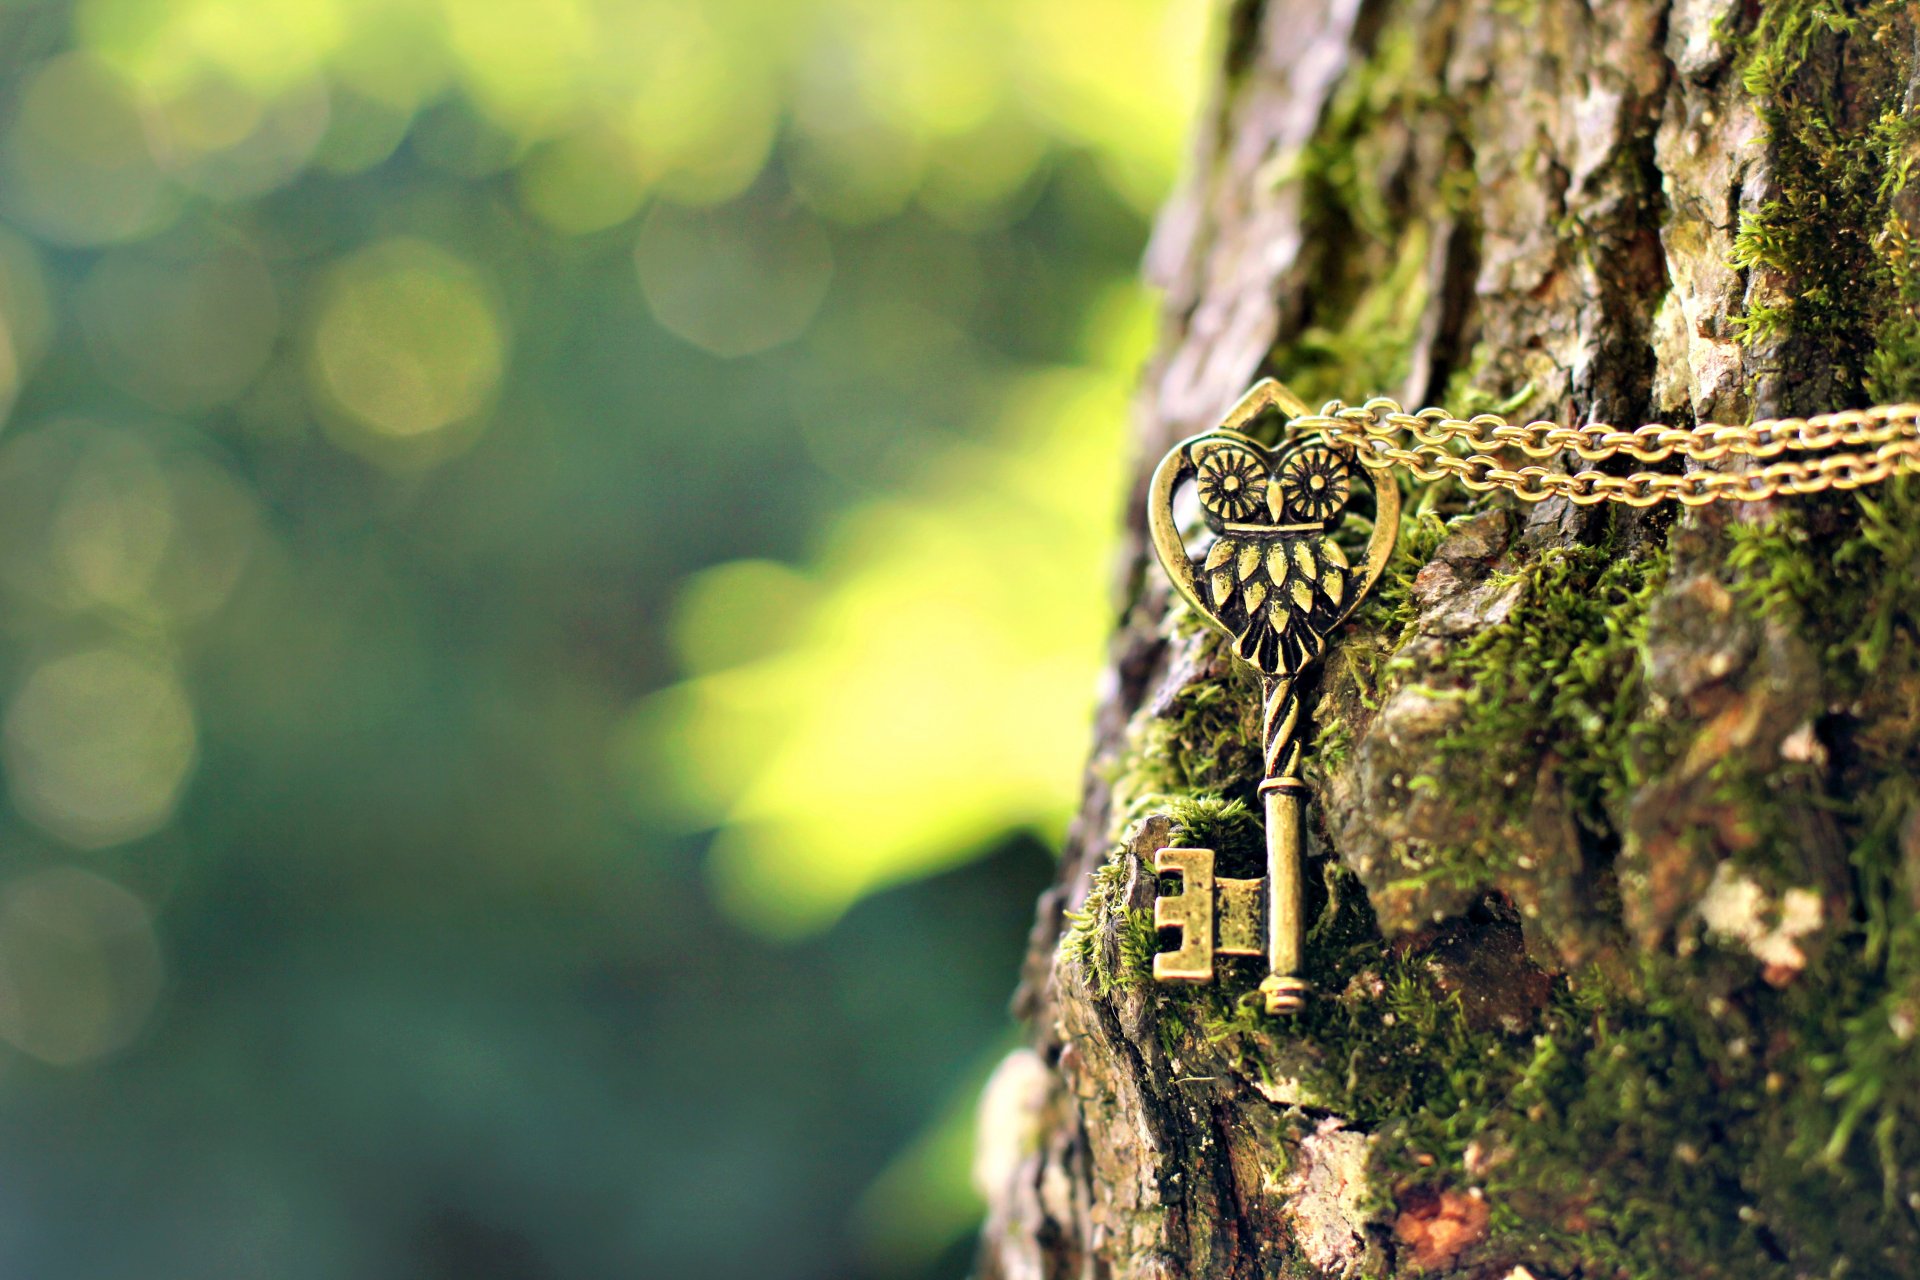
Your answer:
<point x="1615" y="879"/>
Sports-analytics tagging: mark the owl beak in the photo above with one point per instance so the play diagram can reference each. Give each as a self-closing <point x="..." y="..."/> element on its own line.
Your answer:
<point x="1276" y="501"/>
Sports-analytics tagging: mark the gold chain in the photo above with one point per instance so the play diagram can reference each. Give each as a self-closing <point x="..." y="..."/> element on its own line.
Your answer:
<point x="1849" y="449"/>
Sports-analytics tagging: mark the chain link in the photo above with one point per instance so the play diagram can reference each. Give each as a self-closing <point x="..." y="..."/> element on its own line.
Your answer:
<point x="1848" y="449"/>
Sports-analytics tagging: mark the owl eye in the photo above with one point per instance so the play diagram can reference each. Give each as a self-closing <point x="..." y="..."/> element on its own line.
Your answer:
<point x="1312" y="486"/>
<point x="1231" y="481"/>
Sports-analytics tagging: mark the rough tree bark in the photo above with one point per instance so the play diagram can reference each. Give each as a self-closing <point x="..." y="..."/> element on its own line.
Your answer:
<point x="1617" y="813"/>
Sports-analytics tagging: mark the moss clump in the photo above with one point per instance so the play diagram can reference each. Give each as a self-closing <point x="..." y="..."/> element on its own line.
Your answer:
<point x="1843" y="571"/>
<point x="1562" y="671"/>
<point x="1084" y="948"/>
<point x="1893" y="368"/>
<point x="1559" y="679"/>
<point x="1667" y="1133"/>
<point x="1390" y="608"/>
<point x="1831" y="228"/>
<point x="1864" y="1086"/>
<point x="1207" y="742"/>
<point x="1227" y="826"/>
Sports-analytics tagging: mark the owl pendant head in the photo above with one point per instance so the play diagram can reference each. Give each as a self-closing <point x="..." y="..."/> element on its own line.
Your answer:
<point x="1273" y="577"/>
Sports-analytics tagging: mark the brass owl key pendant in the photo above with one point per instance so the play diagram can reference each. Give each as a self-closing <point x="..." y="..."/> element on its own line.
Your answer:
<point x="1273" y="578"/>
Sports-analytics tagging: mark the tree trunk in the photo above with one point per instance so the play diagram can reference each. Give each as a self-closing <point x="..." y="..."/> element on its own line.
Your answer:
<point x="1615" y="836"/>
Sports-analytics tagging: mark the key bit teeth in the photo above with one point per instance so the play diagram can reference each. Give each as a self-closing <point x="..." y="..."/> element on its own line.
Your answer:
<point x="1285" y="994"/>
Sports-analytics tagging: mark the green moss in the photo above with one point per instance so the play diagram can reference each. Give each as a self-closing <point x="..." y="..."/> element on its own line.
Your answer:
<point x="1864" y="1062"/>
<point x="1206" y="743"/>
<point x="1355" y="669"/>
<point x="1083" y="946"/>
<point x="1373" y="344"/>
<point x="1620" y="1134"/>
<point x="1665" y="1133"/>
<point x="1558" y="678"/>
<point x="1843" y="571"/>
<point x="1370" y="293"/>
<point x="1390" y="607"/>
<point x="1893" y="368"/>
<point x="1229" y="827"/>
<point x="1607" y="1146"/>
<point x="1828" y="228"/>
<point x="1562" y="672"/>
<point x="1643" y="1132"/>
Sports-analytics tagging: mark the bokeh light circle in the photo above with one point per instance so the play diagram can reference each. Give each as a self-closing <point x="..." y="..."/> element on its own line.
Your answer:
<point x="104" y="519"/>
<point x="581" y="183"/>
<point x="733" y="280"/>
<point x="98" y="745"/>
<point x="80" y="966"/>
<point x="76" y="164"/>
<point x="409" y="339"/>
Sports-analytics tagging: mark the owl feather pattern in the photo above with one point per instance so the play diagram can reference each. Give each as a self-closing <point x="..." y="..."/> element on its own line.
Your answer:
<point x="1273" y="578"/>
<point x="1278" y="596"/>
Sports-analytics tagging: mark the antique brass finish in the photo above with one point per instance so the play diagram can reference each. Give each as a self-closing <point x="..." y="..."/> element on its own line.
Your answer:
<point x="1190" y="911"/>
<point x="1237" y="930"/>
<point x="1275" y="581"/>
<point x="1215" y="916"/>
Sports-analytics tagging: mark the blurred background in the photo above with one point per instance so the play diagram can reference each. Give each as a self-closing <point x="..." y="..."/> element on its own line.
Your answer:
<point x="553" y="561"/>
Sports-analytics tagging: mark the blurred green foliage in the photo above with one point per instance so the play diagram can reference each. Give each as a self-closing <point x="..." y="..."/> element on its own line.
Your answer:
<point x="528" y="530"/>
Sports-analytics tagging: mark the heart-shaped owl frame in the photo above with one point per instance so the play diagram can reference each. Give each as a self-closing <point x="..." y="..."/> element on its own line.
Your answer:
<point x="1271" y="511"/>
